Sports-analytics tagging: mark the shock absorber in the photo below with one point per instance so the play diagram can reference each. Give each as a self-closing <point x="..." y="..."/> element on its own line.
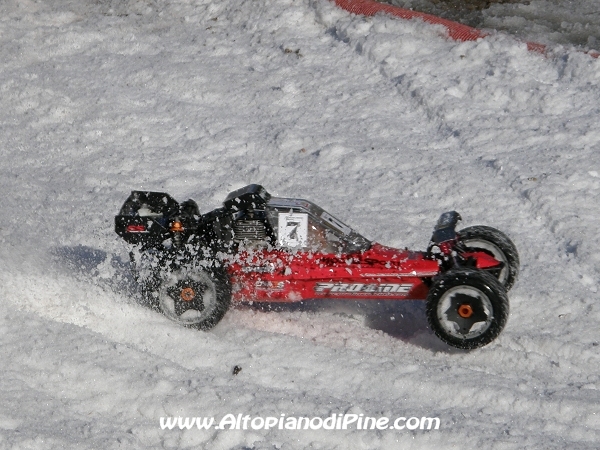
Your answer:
<point x="445" y="239"/>
<point x="447" y="247"/>
<point x="177" y="229"/>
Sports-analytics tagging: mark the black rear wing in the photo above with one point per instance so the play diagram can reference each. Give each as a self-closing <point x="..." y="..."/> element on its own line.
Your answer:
<point x="146" y="218"/>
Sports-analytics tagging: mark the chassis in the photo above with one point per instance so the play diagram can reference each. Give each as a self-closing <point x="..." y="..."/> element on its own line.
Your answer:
<point x="259" y="248"/>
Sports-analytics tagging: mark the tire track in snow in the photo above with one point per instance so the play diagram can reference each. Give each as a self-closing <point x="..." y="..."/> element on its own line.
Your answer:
<point x="541" y="193"/>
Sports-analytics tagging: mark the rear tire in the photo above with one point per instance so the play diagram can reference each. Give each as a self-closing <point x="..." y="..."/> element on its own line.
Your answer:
<point x="496" y="244"/>
<point x="195" y="297"/>
<point x="467" y="308"/>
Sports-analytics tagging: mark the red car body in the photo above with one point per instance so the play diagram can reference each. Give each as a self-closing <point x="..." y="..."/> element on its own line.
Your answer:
<point x="379" y="273"/>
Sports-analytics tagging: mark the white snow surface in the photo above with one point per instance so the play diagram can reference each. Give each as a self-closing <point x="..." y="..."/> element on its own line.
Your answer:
<point x="383" y="122"/>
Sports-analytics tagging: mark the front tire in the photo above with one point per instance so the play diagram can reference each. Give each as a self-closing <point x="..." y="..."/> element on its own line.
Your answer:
<point x="195" y="297"/>
<point x="496" y="244"/>
<point x="467" y="308"/>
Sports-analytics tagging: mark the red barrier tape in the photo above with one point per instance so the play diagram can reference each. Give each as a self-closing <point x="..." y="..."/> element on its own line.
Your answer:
<point x="456" y="31"/>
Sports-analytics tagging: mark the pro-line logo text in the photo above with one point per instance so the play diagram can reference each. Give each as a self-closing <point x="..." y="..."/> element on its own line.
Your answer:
<point x="363" y="288"/>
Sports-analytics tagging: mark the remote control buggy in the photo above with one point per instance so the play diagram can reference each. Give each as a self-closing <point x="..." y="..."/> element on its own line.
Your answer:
<point x="260" y="248"/>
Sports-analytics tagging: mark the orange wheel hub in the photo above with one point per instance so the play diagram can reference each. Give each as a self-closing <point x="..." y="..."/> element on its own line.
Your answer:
<point x="187" y="294"/>
<point x="465" y="311"/>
